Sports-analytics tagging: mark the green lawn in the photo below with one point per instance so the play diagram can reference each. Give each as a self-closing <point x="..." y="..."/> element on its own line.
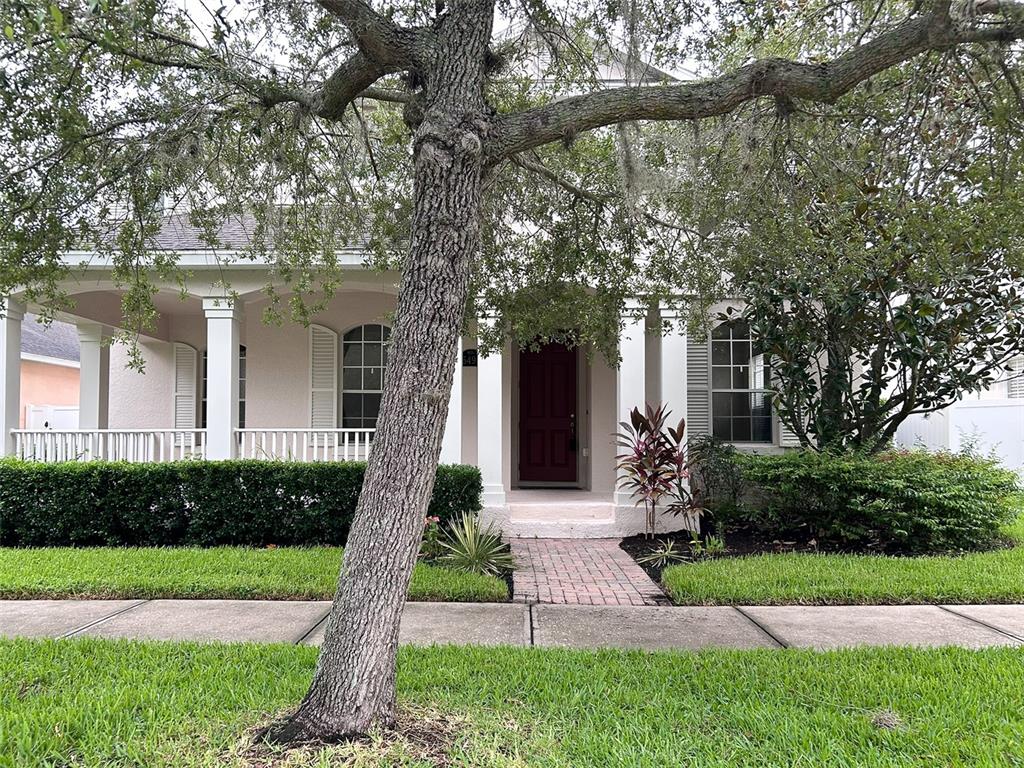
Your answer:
<point x="984" y="577"/>
<point x="221" y="572"/>
<point x="90" y="703"/>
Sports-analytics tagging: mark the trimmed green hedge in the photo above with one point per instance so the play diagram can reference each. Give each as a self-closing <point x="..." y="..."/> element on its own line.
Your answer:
<point x="197" y="503"/>
<point x="909" y="502"/>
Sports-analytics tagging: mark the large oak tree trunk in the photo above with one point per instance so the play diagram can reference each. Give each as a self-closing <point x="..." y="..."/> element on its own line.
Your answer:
<point x="354" y="683"/>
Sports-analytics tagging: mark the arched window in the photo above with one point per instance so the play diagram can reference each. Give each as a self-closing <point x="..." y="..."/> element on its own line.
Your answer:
<point x="741" y="408"/>
<point x="364" y="355"/>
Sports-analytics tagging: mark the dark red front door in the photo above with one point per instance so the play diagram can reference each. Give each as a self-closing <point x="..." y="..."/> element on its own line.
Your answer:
<point x="547" y="415"/>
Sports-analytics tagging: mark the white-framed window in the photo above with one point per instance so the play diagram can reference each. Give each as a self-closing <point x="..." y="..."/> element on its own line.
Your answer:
<point x="241" y="389"/>
<point x="363" y="359"/>
<point x="741" y="407"/>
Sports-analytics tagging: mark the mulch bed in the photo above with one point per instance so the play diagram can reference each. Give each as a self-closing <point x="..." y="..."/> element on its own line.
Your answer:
<point x="639" y="545"/>
<point x="739" y="543"/>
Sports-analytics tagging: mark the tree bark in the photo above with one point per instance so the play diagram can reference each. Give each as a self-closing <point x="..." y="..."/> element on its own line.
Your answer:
<point x="353" y="686"/>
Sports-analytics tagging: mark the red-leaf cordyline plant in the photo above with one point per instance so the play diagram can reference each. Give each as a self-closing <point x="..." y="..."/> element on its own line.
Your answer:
<point x="653" y="465"/>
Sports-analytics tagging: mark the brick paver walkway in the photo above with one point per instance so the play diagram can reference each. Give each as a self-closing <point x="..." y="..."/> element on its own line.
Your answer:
<point x="581" y="572"/>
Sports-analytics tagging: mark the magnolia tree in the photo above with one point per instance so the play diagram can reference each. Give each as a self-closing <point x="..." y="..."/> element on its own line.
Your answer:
<point x="894" y="283"/>
<point x="406" y="124"/>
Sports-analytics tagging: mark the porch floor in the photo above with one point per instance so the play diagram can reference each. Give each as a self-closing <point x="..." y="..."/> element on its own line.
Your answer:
<point x="580" y="572"/>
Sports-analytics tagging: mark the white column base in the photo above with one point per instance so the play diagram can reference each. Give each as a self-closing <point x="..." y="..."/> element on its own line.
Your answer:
<point x="624" y="498"/>
<point x="494" y="496"/>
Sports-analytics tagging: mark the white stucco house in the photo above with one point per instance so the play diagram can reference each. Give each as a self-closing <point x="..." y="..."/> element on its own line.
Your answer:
<point x="219" y="383"/>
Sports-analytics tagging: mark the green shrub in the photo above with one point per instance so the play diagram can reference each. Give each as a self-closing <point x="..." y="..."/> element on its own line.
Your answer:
<point x="899" y="501"/>
<point x="715" y="475"/>
<point x="197" y="503"/>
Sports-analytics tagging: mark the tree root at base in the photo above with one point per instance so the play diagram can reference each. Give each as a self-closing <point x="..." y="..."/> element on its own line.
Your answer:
<point x="426" y="734"/>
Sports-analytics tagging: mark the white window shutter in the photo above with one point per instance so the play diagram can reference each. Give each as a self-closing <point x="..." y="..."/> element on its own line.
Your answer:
<point x="698" y="388"/>
<point x="185" y="376"/>
<point x="787" y="437"/>
<point x="323" y="377"/>
<point x="1015" y="378"/>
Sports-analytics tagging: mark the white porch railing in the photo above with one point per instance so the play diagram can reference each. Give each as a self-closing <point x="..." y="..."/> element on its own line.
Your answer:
<point x="305" y="444"/>
<point x="154" y="445"/>
<point x="109" y="444"/>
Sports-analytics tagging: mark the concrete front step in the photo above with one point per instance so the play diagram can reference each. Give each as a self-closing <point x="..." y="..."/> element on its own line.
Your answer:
<point x="577" y="520"/>
<point x="545" y="512"/>
<point x="544" y="520"/>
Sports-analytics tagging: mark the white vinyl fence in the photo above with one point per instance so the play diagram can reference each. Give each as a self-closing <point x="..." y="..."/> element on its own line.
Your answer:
<point x="994" y="426"/>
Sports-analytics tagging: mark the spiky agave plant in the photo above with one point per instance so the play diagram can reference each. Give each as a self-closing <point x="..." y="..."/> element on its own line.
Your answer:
<point x="466" y="546"/>
<point x="664" y="555"/>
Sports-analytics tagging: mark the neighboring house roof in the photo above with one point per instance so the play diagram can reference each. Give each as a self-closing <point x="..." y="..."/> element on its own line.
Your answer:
<point x="57" y="340"/>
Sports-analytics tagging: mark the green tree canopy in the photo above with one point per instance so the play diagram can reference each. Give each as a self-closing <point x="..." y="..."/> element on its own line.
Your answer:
<point x="878" y="249"/>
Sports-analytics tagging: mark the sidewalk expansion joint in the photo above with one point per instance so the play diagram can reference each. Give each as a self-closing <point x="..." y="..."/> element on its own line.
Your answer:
<point x="102" y="619"/>
<point x="981" y="623"/>
<point x="771" y="636"/>
<point x="530" y="625"/>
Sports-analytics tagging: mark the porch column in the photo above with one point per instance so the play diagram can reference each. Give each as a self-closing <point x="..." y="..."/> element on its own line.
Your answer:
<point x="94" y="376"/>
<point x="631" y="389"/>
<point x="490" y="427"/>
<point x="10" y="374"/>
<point x="451" y="444"/>
<point x="673" y="364"/>
<point x="222" y="339"/>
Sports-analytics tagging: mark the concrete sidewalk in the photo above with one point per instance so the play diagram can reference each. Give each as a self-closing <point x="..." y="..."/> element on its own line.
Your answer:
<point x="569" y="626"/>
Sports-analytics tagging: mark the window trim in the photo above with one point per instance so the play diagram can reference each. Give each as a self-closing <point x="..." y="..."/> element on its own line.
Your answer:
<point x="342" y="389"/>
<point x="203" y="385"/>
<point x="773" y="437"/>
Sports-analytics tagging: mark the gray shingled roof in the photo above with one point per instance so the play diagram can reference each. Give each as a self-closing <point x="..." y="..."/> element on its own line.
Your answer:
<point x="58" y="339"/>
<point x="178" y="234"/>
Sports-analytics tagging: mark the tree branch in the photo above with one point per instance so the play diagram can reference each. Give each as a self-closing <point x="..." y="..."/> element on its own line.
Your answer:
<point x="386" y="94"/>
<point x="824" y="82"/>
<point x="545" y="172"/>
<point x="201" y="60"/>
<point x="379" y="39"/>
<point x="347" y="82"/>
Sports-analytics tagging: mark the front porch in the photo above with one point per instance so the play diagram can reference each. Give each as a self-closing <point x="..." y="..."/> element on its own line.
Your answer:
<point x="218" y="382"/>
<point x="221" y="384"/>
